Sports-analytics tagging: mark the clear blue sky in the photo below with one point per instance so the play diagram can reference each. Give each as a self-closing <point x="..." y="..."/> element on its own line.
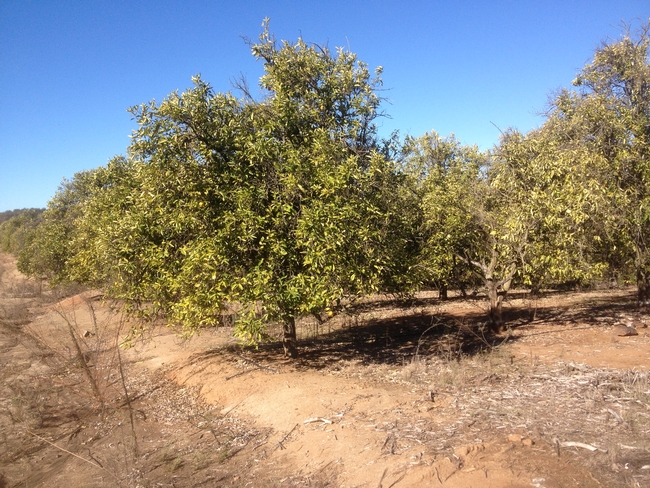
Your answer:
<point x="70" y="69"/>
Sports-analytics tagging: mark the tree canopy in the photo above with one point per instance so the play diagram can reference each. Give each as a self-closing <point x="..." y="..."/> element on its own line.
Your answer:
<point x="279" y="207"/>
<point x="610" y="120"/>
<point x="16" y="226"/>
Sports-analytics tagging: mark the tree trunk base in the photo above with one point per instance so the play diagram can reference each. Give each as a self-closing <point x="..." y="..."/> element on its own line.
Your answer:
<point x="495" y="318"/>
<point x="442" y="292"/>
<point x="496" y="325"/>
<point x="643" y="286"/>
<point x="289" y="338"/>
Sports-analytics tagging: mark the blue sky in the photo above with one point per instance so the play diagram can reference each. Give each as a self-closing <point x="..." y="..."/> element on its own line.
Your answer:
<point x="70" y="69"/>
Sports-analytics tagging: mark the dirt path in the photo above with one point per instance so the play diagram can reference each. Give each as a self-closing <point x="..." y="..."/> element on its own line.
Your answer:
<point x="385" y="395"/>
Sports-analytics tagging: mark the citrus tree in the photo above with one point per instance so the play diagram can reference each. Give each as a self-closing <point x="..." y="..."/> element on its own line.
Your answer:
<point x="276" y="207"/>
<point x="50" y="245"/>
<point x="15" y="231"/>
<point x="443" y="174"/>
<point x="609" y="116"/>
<point x="526" y="211"/>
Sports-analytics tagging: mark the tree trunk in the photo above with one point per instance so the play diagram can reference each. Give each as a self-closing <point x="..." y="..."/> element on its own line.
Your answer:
<point x="495" y="319"/>
<point x="643" y="286"/>
<point x="535" y="288"/>
<point x="289" y="338"/>
<point x="443" y="292"/>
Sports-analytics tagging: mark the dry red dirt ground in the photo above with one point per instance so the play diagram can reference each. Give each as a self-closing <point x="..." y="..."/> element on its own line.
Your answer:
<point x="385" y="394"/>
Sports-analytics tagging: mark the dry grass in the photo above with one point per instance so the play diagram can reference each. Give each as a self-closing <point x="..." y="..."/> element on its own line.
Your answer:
<point x="123" y="429"/>
<point x="492" y="393"/>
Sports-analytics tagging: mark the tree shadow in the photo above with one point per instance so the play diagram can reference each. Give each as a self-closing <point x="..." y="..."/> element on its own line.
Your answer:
<point x="603" y="310"/>
<point x="392" y="341"/>
<point x="405" y="335"/>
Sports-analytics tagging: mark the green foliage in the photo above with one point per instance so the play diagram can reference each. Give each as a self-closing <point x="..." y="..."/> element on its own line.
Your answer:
<point x="609" y="120"/>
<point x="57" y="239"/>
<point x="523" y="212"/>
<point x="277" y="208"/>
<point x="16" y="227"/>
<point x="8" y="214"/>
<point x="444" y="175"/>
<point x="280" y="207"/>
<point x="556" y="199"/>
<point x="560" y="203"/>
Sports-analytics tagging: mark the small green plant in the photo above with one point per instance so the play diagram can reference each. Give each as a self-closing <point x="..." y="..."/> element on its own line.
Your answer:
<point x="176" y="464"/>
<point x="171" y="459"/>
<point x="200" y="460"/>
<point x="224" y="455"/>
<point x="168" y="455"/>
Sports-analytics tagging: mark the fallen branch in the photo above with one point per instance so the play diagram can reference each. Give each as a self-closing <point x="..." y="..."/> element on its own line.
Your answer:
<point x="240" y="374"/>
<point x="383" y="475"/>
<point x="317" y="419"/>
<point x="257" y="366"/>
<point x="272" y="370"/>
<point x="613" y="414"/>
<point x="582" y="445"/>
<point x="280" y="445"/>
<point x="385" y="442"/>
<point x="397" y="480"/>
<point x="260" y="444"/>
<point x="72" y="454"/>
<point x="437" y="474"/>
<point x="623" y="446"/>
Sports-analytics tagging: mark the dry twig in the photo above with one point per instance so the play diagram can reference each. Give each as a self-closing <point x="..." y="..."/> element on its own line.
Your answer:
<point x="72" y="454"/>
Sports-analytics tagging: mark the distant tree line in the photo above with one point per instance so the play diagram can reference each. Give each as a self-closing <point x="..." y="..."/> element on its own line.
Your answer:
<point x="288" y="204"/>
<point x="16" y="228"/>
<point x="8" y="214"/>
